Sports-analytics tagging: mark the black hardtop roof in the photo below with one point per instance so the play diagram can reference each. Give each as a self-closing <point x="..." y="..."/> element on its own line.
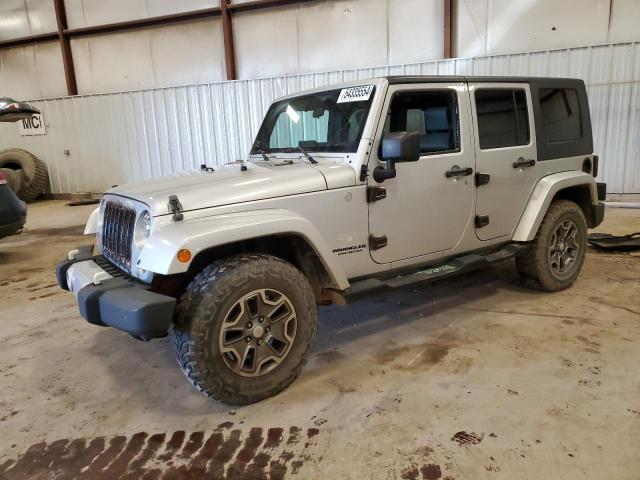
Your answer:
<point x="400" y="79"/>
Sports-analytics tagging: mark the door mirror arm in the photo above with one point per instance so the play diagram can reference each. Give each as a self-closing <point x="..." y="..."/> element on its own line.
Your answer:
<point x="380" y="174"/>
<point x="397" y="147"/>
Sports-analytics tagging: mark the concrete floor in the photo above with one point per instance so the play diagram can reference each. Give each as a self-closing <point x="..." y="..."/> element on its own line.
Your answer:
<point x="467" y="379"/>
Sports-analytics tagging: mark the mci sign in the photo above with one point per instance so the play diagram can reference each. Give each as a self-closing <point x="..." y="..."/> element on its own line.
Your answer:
<point x="33" y="125"/>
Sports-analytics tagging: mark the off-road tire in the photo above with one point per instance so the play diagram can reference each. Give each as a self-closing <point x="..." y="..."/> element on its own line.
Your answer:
<point x="31" y="191"/>
<point x="34" y="172"/>
<point x="201" y="312"/>
<point x="14" y="178"/>
<point x="533" y="264"/>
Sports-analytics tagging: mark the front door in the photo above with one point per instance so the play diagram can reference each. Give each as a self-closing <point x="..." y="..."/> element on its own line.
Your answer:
<point x="506" y="151"/>
<point x="425" y="211"/>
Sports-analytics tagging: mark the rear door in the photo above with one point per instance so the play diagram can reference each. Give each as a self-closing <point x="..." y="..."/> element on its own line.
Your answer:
<point x="505" y="146"/>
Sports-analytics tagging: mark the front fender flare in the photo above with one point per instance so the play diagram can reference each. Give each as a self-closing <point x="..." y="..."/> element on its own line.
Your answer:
<point x="158" y="254"/>
<point x="91" y="226"/>
<point x="541" y="198"/>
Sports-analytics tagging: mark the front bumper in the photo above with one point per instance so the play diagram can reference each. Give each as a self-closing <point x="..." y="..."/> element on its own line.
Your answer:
<point x="109" y="298"/>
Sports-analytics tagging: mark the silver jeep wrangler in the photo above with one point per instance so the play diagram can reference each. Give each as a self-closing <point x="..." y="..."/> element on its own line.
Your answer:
<point x="348" y="191"/>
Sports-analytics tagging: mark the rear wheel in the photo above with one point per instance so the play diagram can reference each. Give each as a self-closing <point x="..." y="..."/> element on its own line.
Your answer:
<point x="554" y="259"/>
<point x="244" y="328"/>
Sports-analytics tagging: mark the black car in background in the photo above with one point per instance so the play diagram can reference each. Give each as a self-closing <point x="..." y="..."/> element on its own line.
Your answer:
<point x="13" y="211"/>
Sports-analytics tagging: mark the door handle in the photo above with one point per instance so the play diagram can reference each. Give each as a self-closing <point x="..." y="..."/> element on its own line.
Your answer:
<point x="523" y="163"/>
<point x="456" y="171"/>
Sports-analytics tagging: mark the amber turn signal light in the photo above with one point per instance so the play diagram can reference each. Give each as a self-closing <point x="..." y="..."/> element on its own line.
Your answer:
<point x="183" y="255"/>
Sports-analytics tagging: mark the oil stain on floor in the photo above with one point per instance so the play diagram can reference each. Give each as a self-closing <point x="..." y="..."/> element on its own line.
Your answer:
<point x="224" y="453"/>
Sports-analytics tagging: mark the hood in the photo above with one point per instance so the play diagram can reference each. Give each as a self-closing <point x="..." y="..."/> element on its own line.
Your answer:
<point x="226" y="185"/>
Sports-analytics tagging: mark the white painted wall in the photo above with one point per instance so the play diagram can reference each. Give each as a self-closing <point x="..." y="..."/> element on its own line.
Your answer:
<point x="21" y="18"/>
<point x="487" y="27"/>
<point x="149" y="58"/>
<point x="85" y="13"/>
<point x="318" y="36"/>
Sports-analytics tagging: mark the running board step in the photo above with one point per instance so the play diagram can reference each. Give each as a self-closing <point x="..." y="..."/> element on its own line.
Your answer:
<point x="372" y="286"/>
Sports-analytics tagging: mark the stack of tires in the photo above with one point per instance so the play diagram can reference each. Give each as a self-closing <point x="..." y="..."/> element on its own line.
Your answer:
<point x="26" y="174"/>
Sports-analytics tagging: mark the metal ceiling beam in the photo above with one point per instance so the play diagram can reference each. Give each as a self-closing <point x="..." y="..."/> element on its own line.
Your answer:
<point x="229" y="44"/>
<point x="262" y="4"/>
<point x="65" y="46"/>
<point x="448" y="31"/>
<point x="144" y="22"/>
<point x="16" y="42"/>
<point x="149" y="22"/>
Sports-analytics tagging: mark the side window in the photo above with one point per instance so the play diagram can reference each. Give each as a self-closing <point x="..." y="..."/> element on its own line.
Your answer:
<point x="503" y="120"/>
<point x="433" y="113"/>
<point x="560" y="114"/>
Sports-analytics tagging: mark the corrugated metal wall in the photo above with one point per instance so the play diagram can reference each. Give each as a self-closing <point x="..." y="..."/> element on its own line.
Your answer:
<point x="122" y="137"/>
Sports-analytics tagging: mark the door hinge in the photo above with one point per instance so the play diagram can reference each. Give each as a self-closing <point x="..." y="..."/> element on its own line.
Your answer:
<point x="377" y="242"/>
<point x="376" y="193"/>
<point x="482" y="221"/>
<point x="363" y="173"/>
<point x="482" y="178"/>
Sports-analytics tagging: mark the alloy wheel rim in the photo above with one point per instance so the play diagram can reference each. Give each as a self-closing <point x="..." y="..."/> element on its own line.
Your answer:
<point x="258" y="332"/>
<point x="564" y="247"/>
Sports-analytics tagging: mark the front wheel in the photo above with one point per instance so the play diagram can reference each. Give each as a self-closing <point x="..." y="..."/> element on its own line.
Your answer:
<point x="244" y="328"/>
<point x="555" y="257"/>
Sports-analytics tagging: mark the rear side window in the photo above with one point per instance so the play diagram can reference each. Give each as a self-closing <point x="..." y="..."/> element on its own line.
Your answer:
<point x="560" y="114"/>
<point x="503" y="120"/>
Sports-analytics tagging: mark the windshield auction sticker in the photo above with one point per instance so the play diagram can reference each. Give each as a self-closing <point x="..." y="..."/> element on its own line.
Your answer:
<point x="355" y="94"/>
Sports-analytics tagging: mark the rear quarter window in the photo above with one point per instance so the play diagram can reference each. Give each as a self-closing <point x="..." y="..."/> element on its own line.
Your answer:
<point x="561" y="117"/>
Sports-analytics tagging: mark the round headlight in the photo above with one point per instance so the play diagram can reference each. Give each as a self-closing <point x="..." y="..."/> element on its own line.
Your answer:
<point x="143" y="228"/>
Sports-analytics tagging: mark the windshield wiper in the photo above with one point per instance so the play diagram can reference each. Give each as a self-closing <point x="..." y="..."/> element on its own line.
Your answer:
<point x="264" y="155"/>
<point x="307" y="156"/>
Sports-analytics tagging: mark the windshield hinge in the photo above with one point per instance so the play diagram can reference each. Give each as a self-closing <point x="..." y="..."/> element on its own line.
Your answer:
<point x="363" y="173"/>
<point x="376" y="193"/>
<point x="175" y="207"/>
<point x="377" y="241"/>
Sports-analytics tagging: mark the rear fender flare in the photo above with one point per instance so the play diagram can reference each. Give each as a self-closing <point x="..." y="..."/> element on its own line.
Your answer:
<point x="541" y="197"/>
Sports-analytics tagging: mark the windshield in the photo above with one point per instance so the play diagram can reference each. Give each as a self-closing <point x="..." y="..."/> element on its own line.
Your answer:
<point x="329" y="121"/>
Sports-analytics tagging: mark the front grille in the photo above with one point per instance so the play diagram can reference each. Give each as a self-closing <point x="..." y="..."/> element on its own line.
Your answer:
<point x="117" y="234"/>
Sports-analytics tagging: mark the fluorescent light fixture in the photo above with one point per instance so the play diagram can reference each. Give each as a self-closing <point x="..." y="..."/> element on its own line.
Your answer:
<point x="293" y="115"/>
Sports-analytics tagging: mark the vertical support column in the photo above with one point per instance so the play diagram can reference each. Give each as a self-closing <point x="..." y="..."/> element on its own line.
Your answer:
<point x="229" y="46"/>
<point x="447" y="29"/>
<point x="65" y="46"/>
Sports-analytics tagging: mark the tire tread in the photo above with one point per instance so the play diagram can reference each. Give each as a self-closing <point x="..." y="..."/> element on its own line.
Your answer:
<point x="186" y="338"/>
<point x="532" y="264"/>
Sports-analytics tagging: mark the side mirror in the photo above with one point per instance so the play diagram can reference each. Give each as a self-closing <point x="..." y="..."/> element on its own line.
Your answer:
<point x="397" y="147"/>
<point x="12" y="111"/>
